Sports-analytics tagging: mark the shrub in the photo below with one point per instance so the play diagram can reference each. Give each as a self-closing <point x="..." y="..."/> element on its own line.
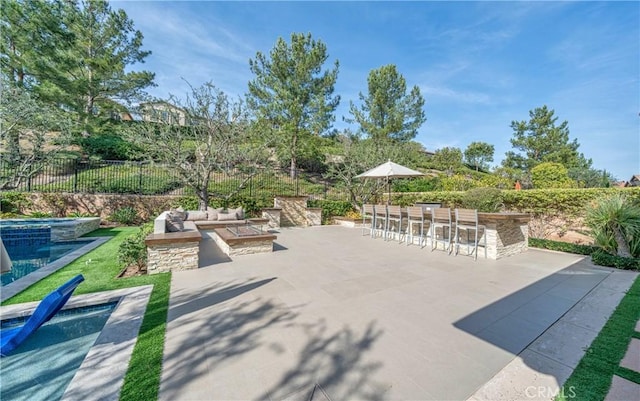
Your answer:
<point x="126" y="216"/>
<point x="603" y="258"/>
<point x="133" y="250"/>
<point x="40" y="215"/>
<point x="80" y="214"/>
<point x="13" y="202"/>
<point x="186" y="202"/>
<point x="551" y="175"/>
<point x="330" y="209"/>
<point x="484" y="199"/>
<point x="109" y="146"/>
<point x="615" y="223"/>
<point x="562" y="246"/>
<point x="598" y="256"/>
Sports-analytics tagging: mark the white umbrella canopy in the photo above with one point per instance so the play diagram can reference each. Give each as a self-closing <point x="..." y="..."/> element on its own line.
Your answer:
<point x="389" y="170"/>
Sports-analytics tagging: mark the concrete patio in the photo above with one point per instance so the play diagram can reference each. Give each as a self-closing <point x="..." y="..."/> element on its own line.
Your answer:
<point x="347" y="317"/>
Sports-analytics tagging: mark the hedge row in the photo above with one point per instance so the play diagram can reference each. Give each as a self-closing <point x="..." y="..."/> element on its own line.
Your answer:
<point x="598" y="256"/>
<point x="567" y="202"/>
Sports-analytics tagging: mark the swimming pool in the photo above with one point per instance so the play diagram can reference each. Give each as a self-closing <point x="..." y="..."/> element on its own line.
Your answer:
<point x="12" y="288"/>
<point x="101" y="372"/>
<point x="58" y="229"/>
<point x="44" y="365"/>
<point x="28" y="255"/>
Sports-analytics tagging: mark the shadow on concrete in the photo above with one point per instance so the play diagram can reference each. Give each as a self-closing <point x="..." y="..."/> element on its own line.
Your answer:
<point x="516" y="321"/>
<point x="195" y="304"/>
<point x="216" y="335"/>
<point x="279" y="247"/>
<point x="210" y="254"/>
<point x="333" y="362"/>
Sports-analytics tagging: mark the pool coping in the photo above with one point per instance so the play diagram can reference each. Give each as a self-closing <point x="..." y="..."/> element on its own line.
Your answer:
<point x="102" y="372"/>
<point x="22" y="283"/>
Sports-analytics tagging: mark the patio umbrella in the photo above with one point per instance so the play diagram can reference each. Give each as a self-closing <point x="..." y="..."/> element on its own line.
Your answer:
<point x="388" y="171"/>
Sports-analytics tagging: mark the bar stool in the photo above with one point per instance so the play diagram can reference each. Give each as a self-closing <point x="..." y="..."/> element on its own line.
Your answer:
<point x="415" y="215"/>
<point x="441" y="218"/>
<point x="394" y="216"/>
<point x="467" y="220"/>
<point x="380" y="212"/>
<point x="368" y="212"/>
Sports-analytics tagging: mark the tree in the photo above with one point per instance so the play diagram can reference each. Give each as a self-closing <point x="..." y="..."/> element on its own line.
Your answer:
<point x="448" y="159"/>
<point x="479" y="154"/>
<point x="388" y="113"/>
<point x="219" y="139"/>
<point x="540" y="140"/>
<point x="105" y="45"/>
<point x="358" y="155"/>
<point x="291" y="95"/>
<point x="74" y="54"/>
<point x="42" y="131"/>
<point x="591" y="178"/>
<point x="551" y="175"/>
<point x="32" y="34"/>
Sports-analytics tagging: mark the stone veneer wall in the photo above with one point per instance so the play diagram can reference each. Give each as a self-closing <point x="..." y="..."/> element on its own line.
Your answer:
<point x="172" y="257"/>
<point x="102" y="205"/>
<point x="510" y="238"/>
<point x="273" y="214"/>
<point x="244" y="248"/>
<point x="295" y="212"/>
<point x="76" y="228"/>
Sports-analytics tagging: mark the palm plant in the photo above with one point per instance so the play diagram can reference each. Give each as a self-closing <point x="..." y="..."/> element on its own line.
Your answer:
<point x="615" y="225"/>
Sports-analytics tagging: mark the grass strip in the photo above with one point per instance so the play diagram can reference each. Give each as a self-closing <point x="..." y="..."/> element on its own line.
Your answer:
<point x="628" y="374"/>
<point x="592" y="377"/>
<point x="100" y="269"/>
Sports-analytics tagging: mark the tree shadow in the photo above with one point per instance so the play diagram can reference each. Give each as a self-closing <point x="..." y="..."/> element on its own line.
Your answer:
<point x="215" y="330"/>
<point x="333" y="362"/>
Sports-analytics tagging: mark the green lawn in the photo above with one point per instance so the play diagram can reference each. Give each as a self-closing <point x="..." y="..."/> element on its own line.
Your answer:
<point x="100" y="268"/>
<point x="592" y="377"/>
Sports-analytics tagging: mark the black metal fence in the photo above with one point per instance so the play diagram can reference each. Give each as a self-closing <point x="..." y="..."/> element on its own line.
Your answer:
<point x="126" y="177"/>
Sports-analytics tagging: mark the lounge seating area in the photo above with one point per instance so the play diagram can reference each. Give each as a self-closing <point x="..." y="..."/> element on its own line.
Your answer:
<point x="175" y="242"/>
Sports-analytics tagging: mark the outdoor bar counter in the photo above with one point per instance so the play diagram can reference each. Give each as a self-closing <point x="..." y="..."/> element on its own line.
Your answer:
<point x="507" y="233"/>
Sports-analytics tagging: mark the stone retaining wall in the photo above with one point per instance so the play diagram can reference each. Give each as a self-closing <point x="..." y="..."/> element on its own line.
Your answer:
<point x="294" y="212"/>
<point x="172" y="257"/>
<point x="273" y="214"/>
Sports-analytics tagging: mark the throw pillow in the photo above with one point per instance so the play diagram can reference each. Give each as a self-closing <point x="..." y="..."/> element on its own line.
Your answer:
<point x="179" y="213"/>
<point x="227" y="216"/>
<point x="196" y="215"/>
<point x="239" y="212"/>
<point x="174" y="224"/>
<point x="212" y="214"/>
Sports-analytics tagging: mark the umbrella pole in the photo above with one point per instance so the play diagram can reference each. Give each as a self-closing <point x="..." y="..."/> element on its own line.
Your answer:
<point x="389" y="191"/>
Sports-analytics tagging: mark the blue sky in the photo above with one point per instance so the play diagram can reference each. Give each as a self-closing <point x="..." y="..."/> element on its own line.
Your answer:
<point x="479" y="65"/>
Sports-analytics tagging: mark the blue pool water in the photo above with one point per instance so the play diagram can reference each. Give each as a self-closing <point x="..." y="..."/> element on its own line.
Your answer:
<point x="36" y="222"/>
<point x="44" y="365"/>
<point x="32" y="251"/>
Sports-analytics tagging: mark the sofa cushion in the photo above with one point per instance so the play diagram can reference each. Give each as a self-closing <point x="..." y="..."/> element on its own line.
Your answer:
<point x="189" y="226"/>
<point x="212" y="214"/>
<point x="239" y="213"/>
<point x="227" y="216"/>
<point x="196" y="215"/>
<point x="179" y="213"/>
<point x="174" y="224"/>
